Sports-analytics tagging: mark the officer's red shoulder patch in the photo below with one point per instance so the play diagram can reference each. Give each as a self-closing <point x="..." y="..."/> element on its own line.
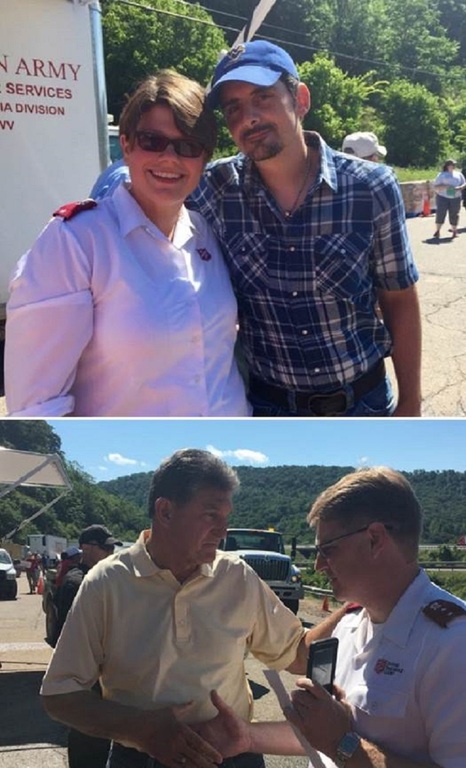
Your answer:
<point x="443" y="611"/>
<point x="353" y="608"/>
<point x="69" y="210"/>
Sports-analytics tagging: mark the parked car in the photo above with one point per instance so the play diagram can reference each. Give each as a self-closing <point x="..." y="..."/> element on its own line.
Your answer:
<point x="8" y="576"/>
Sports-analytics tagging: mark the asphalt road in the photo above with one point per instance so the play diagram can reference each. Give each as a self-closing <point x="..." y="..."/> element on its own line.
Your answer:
<point x="442" y="290"/>
<point x="28" y="738"/>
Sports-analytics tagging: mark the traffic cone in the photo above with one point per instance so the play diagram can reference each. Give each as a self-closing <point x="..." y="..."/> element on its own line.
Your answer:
<point x="40" y="586"/>
<point x="325" y="606"/>
<point x="426" y="206"/>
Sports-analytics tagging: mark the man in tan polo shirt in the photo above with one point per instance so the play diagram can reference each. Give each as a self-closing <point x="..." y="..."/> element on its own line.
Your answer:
<point x="165" y="622"/>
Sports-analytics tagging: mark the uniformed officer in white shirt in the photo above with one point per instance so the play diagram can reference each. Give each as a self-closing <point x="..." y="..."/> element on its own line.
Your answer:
<point x="401" y="668"/>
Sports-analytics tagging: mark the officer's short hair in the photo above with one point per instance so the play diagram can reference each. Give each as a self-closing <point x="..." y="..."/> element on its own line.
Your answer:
<point x="183" y="474"/>
<point x="186" y="99"/>
<point x="376" y="494"/>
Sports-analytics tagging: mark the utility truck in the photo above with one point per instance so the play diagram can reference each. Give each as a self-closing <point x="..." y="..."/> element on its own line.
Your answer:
<point x="53" y="117"/>
<point x="264" y="551"/>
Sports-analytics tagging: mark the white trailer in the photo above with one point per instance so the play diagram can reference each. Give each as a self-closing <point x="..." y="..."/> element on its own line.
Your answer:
<point x="47" y="544"/>
<point x="53" y="117"/>
<point x="41" y="470"/>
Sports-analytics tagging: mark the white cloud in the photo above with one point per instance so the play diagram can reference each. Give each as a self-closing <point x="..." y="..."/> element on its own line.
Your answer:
<point x="241" y="455"/>
<point x="120" y="461"/>
<point x="363" y="461"/>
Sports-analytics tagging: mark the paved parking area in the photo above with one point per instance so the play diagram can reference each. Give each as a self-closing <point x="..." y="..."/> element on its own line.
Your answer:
<point x="442" y="290"/>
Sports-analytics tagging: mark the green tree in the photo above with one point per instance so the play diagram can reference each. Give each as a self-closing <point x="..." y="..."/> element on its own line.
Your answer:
<point x="416" y="127"/>
<point x="356" y="32"/>
<point x="138" y="41"/>
<point x="419" y="48"/>
<point x="30" y="435"/>
<point x="338" y="102"/>
<point x="453" y="19"/>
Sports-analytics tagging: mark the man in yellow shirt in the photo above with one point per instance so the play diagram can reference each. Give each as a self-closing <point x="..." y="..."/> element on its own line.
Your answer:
<point x="167" y="621"/>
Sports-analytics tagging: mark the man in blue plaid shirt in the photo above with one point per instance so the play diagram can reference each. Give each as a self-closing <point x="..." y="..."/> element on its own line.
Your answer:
<point x="318" y="252"/>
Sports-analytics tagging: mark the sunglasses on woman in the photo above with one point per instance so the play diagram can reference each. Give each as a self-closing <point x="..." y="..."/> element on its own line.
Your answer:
<point x="155" y="142"/>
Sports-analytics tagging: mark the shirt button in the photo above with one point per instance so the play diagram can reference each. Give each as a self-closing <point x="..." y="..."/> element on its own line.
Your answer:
<point x="295" y="293"/>
<point x="304" y="333"/>
<point x="316" y="370"/>
<point x="291" y="248"/>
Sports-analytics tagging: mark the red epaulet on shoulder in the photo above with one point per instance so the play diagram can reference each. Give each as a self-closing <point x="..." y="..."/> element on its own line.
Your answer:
<point x="443" y="611"/>
<point x="69" y="210"/>
<point x="353" y="608"/>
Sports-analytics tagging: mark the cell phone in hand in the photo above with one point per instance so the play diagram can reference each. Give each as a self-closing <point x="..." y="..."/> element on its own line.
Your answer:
<point x="322" y="661"/>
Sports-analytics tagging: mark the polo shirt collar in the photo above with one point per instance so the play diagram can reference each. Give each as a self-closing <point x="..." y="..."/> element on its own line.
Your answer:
<point x="144" y="566"/>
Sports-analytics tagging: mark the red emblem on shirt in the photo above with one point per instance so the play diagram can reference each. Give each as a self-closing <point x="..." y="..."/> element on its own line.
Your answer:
<point x="69" y="210"/>
<point x="380" y="665"/>
<point x="386" y="667"/>
<point x="353" y="608"/>
<point x="204" y="254"/>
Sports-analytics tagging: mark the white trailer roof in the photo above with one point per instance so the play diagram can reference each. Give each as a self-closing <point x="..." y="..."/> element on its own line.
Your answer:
<point x="33" y="469"/>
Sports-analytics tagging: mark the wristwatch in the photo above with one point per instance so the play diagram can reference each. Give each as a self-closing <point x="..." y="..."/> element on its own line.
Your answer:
<point x="346" y="748"/>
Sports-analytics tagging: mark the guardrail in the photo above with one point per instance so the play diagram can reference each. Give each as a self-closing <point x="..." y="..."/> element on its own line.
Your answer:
<point x="445" y="565"/>
<point x="318" y="592"/>
<point x="321" y="592"/>
<point x="454" y="565"/>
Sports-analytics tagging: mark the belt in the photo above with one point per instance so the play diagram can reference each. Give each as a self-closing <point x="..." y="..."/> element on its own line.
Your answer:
<point x="333" y="403"/>
<point x="126" y="757"/>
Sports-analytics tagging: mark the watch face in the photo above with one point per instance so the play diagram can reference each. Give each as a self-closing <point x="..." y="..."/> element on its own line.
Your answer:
<point x="348" y="745"/>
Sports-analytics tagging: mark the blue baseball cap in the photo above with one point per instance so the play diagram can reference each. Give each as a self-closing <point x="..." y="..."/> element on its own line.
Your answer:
<point x="259" y="63"/>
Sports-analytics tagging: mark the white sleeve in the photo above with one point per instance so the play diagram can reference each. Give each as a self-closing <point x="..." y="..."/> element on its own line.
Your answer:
<point x="442" y="698"/>
<point x="49" y="323"/>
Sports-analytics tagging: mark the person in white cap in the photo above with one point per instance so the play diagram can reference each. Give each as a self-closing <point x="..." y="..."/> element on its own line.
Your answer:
<point x="315" y="242"/>
<point x="365" y="145"/>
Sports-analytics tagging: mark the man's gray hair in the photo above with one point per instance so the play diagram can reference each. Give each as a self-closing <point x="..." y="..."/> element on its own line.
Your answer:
<point x="187" y="471"/>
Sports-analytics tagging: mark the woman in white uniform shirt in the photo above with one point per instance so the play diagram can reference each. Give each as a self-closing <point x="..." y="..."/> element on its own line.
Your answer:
<point x="126" y="308"/>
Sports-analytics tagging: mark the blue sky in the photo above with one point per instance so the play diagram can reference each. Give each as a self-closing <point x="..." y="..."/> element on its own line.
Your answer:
<point x="108" y="448"/>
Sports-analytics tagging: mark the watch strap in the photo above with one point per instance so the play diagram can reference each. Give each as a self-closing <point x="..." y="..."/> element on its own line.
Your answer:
<point x="346" y="748"/>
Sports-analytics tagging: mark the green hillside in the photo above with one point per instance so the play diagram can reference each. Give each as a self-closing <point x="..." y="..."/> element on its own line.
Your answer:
<point x="281" y="496"/>
<point x="278" y="497"/>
